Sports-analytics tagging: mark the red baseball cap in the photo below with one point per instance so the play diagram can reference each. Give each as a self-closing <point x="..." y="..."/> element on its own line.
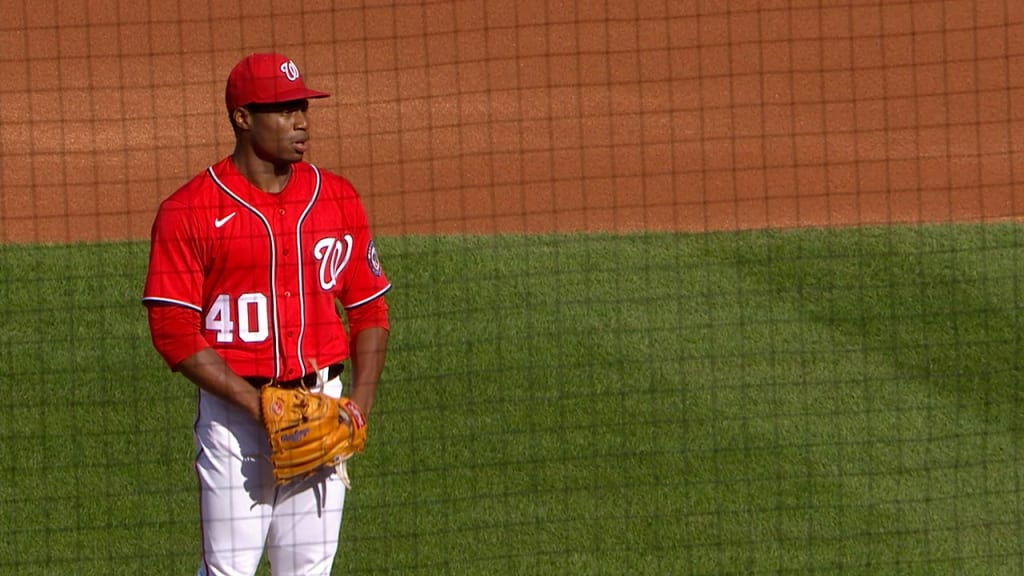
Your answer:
<point x="266" y="79"/>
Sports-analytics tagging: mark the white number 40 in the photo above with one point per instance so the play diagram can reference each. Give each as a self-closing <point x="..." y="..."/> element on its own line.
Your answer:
<point x="251" y="309"/>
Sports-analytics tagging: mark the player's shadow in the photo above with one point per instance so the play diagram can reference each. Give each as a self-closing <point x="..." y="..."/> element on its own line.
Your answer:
<point x="258" y="474"/>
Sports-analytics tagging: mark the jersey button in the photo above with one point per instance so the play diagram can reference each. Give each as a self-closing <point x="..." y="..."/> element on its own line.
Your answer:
<point x="281" y="211"/>
<point x="287" y="294"/>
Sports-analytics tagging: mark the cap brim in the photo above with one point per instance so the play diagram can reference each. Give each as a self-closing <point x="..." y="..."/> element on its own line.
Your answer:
<point x="290" y="96"/>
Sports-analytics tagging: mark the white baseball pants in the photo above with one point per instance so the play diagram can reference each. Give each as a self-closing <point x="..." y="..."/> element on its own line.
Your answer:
<point x="241" y="509"/>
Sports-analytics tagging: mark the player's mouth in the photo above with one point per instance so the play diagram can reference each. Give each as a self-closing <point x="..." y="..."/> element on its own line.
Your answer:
<point x="301" y="146"/>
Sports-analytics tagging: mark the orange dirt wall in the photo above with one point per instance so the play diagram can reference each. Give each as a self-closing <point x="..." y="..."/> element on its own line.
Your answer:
<point x="486" y="116"/>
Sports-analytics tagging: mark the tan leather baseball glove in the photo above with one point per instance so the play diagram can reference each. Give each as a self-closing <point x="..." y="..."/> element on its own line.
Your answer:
<point x="310" y="430"/>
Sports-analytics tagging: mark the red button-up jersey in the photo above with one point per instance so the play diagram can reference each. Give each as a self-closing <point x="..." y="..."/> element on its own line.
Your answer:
<point x="264" y="270"/>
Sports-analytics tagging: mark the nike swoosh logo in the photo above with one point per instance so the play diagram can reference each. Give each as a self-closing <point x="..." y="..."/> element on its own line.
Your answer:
<point x="222" y="221"/>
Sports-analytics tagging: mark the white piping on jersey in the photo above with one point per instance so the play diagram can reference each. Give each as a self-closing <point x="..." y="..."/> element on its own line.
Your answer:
<point x="175" y="302"/>
<point x="273" y="264"/>
<point x="273" y="267"/>
<point x="299" y="254"/>
<point x="370" y="299"/>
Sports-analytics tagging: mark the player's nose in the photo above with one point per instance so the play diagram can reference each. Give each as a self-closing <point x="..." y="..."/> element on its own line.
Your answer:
<point x="300" y="120"/>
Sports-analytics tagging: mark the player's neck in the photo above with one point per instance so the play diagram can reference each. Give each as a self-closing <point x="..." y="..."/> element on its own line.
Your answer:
<point x="269" y="177"/>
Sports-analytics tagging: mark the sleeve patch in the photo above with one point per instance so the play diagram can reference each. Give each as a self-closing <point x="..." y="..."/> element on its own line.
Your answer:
<point x="372" y="260"/>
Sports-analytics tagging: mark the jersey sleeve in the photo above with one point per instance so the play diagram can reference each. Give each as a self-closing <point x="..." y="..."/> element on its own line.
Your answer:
<point x="175" y="333"/>
<point x="175" y="273"/>
<point x="373" y="314"/>
<point x="365" y="278"/>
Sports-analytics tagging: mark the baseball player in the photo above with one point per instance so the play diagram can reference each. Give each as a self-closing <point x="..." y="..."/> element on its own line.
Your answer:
<point x="251" y="263"/>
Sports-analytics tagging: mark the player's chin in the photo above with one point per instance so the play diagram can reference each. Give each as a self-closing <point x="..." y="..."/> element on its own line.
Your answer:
<point x="291" y="156"/>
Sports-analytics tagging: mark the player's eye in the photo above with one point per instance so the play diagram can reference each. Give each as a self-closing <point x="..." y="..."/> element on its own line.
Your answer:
<point x="299" y="106"/>
<point x="283" y="108"/>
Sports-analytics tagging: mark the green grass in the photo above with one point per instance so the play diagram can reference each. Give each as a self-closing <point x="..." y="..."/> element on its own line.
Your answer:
<point x="799" y="402"/>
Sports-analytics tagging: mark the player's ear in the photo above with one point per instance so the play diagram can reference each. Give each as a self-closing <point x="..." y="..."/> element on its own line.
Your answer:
<point x="241" y="118"/>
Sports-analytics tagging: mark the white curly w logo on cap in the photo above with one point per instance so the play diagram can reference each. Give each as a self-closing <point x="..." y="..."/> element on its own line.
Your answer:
<point x="290" y="70"/>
